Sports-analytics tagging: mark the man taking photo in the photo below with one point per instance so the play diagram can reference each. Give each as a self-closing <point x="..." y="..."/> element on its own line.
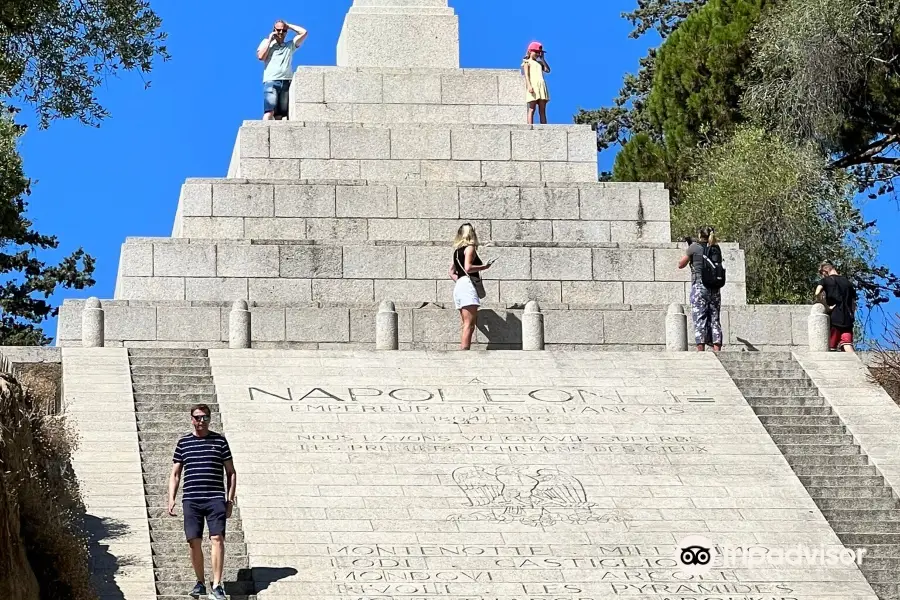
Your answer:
<point x="278" y="54"/>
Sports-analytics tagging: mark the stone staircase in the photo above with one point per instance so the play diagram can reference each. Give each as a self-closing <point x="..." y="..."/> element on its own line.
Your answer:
<point x="166" y="383"/>
<point x="860" y="506"/>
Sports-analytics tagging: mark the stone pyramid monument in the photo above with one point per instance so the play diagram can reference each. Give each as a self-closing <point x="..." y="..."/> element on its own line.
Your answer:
<point x="355" y="199"/>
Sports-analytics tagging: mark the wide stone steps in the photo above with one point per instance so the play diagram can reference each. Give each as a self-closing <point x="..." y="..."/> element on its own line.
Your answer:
<point x="166" y="383"/>
<point x="853" y="497"/>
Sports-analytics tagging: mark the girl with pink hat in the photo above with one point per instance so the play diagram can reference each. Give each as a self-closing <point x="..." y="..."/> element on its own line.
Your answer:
<point x="534" y="65"/>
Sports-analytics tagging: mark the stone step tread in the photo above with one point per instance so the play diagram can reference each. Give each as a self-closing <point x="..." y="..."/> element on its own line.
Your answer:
<point x="820" y="412"/>
<point x="801" y="380"/>
<point x="170" y="361"/>
<point x="181" y="407"/>
<point x="778" y="390"/>
<point x="173" y="388"/>
<point x="842" y="481"/>
<point x="819" y="449"/>
<point x="827" y="471"/>
<point x="880" y="551"/>
<point x="766" y="371"/>
<point x="176" y="523"/>
<point x="170" y="370"/>
<point x="184" y="595"/>
<point x="869" y="538"/>
<point x="778" y="429"/>
<point x="811" y="438"/>
<point x="172" y="379"/>
<point x="174" y="588"/>
<point x="231" y="537"/>
<point x="186" y="573"/>
<point x="865" y="526"/>
<point x="850" y="514"/>
<point x="849" y="492"/>
<point x="180" y="560"/>
<point x="856" y="503"/>
<point x="179" y="352"/>
<point x="760" y="401"/>
<point x="800" y="420"/>
<point x="800" y="460"/>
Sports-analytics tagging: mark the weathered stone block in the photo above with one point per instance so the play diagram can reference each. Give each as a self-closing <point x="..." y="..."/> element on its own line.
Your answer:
<point x="402" y="40"/>
<point x="247" y="261"/>
<point x="512" y="263"/>
<point x="280" y="291"/>
<point x="451" y="170"/>
<point x="270" y="168"/>
<point x="300" y="142"/>
<point x="196" y="200"/>
<point x="129" y="323"/>
<point x="623" y="264"/>
<point x="489" y="203"/>
<point x="419" y="143"/>
<point x="360" y="142"/>
<point x="308" y="85"/>
<point x="375" y="262"/>
<point x="580" y="231"/>
<point x="569" y="172"/>
<point x="444" y="230"/>
<point x="512" y="90"/>
<point x="312" y="168"/>
<point x="150" y="288"/>
<point x="428" y="262"/>
<point x="561" y="263"/>
<point x="427" y="202"/>
<point x="634" y="327"/>
<point x="582" y="144"/>
<point x="275" y="228"/>
<point x="304" y="201"/>
<point x="549" y="203"/>
<point x="521" y="230"/>
<point x="390" y="170"/>
<point x="337" y="229"/>
<point x="511" y="171"/>
<point x="654" y="292"/>
<point x="343" y="290"/>
<point x="187" y="324"/>
<point x="362" y="325"/>
<point x="244" y="200"/>
<point x="267" y="324"/>
<point x="136" y="260"/>
<point x="319" y="112"/>
<point x="650" y="232"/>
<point x="435" y="326"/>
<point x="480" y="144"/>
<point x="466" y="88"/>
<point x="212" y="228"/>
<point x="405" y="290"/>
<point x="353" y="87"/>
<point x="419" y="114"/>
<point x="254" y="142"/>
<point x="215" y="288"/>
<point x="623" y="203"/>
<point x="574" y="327"/>
<point x="666" y="265"/>
<point x="410" y="230"/>
<point x="317" y="324"/>
<point x="734" y="293"/>
<point x="412" y="88"/>
<point x="184" y="260"/>
<point x="593" y="292"/>
<point x="498" y="115"/>
<point x="523" y="291"/>
<point x="367" y="201"/>
<point x="540" y="144"/>
<point x="313" y="262"/>
<point x="762" y="325"/>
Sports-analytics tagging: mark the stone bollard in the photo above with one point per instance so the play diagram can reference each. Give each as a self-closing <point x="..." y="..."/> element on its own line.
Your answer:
<point x="387" y="330"/>
<point x="239" y="325"/>
<point x="92" y="333"/>
<point x="676" y="329"/>
<point x="532" y="327"/>
<point x="818" y="328"/>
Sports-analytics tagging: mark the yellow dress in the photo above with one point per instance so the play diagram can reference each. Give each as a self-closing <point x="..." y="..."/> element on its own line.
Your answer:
<point x="536" y="75"/>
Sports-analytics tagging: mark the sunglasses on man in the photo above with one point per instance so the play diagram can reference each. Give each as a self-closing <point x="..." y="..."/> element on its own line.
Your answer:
<point x="201" y="418"/>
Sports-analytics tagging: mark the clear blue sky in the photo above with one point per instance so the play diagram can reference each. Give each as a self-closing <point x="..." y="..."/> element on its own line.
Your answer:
<point x="95" y="187"/>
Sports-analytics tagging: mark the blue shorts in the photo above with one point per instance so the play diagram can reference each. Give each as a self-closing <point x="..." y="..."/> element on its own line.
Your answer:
<point x="196" y="511"/>
<point x="275" y="97"/>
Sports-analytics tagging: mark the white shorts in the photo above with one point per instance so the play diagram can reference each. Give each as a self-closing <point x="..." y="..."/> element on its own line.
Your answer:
<point x="464" y="293"/>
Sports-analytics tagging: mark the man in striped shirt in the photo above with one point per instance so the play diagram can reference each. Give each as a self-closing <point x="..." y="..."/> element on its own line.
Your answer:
<point x="203" y="457"/>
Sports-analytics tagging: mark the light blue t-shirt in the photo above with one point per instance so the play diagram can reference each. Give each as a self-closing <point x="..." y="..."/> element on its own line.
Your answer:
<point x="278" y="62"/>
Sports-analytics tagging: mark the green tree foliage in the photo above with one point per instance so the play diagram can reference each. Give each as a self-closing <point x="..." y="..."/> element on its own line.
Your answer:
<point x="696" y="92"/>
<point x="788" y="211"/>
<point x="55" y="54"/>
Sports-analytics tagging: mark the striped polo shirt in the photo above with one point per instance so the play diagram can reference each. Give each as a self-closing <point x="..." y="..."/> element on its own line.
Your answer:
<point x="204" y="466"/>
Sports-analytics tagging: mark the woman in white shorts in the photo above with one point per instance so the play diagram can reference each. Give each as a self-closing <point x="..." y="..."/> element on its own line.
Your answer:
<point x="465" y="296"/>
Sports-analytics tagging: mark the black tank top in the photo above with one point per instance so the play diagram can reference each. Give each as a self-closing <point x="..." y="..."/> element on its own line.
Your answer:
<point x="459" y="260"/>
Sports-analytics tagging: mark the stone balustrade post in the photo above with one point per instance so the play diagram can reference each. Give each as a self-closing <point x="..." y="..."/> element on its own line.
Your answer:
<point x="92" y="333"/>
<point x="818" y="328"/>
<point x="387" y="330"/>
<point x="532" y="327"/>
<point x="239" y="325"/>
<point x="676" y="329"/>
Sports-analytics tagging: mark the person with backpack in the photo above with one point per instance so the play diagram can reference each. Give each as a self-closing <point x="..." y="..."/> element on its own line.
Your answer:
<point x="707" y="278"/>
<point x="840" y="303"/>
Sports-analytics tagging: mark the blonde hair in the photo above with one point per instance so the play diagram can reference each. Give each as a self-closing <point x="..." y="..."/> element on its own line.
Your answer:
<point x="465" y="236"/>
<point x="708" y="234"/>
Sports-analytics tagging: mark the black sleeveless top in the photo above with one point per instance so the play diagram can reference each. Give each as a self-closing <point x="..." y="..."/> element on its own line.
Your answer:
<point x="459" y="260"/>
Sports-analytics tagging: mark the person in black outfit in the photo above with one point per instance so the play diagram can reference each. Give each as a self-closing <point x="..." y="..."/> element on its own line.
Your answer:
<point x="840" y="302"/>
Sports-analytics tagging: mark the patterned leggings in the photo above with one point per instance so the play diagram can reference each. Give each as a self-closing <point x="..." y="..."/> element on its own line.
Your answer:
<point x="705" y="305"/>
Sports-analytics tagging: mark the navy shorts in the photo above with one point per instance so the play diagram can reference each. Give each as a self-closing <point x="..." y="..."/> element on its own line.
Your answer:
<point x="275" y="97"/>
<point x="196" y="511"/>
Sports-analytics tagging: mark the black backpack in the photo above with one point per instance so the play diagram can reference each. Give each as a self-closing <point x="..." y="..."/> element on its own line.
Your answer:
<point x="713" y="273"/>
